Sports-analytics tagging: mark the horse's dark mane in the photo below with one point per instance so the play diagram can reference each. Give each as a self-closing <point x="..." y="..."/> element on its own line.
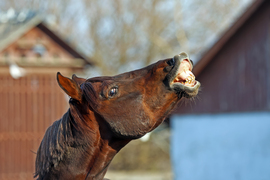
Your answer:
<point x="70" y="130"/>
<point x="51" y="151"/>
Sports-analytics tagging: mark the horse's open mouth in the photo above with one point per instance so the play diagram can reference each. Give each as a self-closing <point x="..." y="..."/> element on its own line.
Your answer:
<point x="184" y="74"/>
<point x="183" y="80"/>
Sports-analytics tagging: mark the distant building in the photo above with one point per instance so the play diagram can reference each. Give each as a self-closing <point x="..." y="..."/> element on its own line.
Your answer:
<point x="225" y="133"/>
<point x="30" y="99"/>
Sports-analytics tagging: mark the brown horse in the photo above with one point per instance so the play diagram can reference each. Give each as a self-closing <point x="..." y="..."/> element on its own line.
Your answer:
<point x="106" y="113"/>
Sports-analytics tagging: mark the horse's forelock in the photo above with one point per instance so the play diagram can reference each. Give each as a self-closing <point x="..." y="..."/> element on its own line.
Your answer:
<point x="89" y="94"/>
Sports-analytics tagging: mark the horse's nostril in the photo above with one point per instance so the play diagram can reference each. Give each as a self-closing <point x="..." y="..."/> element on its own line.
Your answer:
<point x="171" y="62"/>
<point x="191" y="62"/>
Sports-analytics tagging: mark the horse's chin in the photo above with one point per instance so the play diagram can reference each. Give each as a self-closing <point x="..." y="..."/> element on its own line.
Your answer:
<point x="186" y="91"/>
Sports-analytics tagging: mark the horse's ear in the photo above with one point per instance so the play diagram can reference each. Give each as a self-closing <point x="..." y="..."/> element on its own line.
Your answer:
<point x="78" y="80"/>
<point x="70" y="87"/>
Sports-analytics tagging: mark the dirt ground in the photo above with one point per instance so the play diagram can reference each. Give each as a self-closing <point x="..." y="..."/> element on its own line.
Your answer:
<point x="118" y="175"/>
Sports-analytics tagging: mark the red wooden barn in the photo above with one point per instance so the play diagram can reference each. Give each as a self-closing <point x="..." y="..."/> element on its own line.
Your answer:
<point x="30" y="100"/>
<point x="225" y="132"/>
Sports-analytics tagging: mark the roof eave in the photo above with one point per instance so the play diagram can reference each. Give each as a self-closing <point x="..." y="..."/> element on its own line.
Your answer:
<point x="20" y="32"/>
<point x="42" y="26"/>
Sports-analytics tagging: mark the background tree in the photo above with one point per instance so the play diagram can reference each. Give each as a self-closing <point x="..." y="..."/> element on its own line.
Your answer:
<point x="123" y="35"/>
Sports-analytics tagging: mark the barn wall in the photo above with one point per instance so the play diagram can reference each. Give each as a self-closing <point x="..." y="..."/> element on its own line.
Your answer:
<point x="28" y="106"/>
<point x="221" y="147"/>
<point x="238" y="77"/>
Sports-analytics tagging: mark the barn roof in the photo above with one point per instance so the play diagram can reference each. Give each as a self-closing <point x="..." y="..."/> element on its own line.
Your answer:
<point x="234" y="73"/>
<point x="14" y="25"/>
<point x="208" y="55"/>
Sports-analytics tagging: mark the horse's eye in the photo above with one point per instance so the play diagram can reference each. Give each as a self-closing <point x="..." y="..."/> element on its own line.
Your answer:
<point x="171" y="62"/>
<point x="113" y="91"/>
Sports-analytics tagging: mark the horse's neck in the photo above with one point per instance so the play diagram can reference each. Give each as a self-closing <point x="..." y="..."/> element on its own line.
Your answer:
<point x="101" y="156"/>
<point x="99" y="160"/>
<point x="101" y="148"/>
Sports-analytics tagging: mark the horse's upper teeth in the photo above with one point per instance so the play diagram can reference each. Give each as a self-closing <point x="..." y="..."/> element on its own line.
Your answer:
<point x="189" y="79"/>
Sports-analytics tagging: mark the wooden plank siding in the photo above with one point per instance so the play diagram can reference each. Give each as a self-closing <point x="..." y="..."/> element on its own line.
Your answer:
<point x="238" y="77"/>
<point x="28" y="106"/>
